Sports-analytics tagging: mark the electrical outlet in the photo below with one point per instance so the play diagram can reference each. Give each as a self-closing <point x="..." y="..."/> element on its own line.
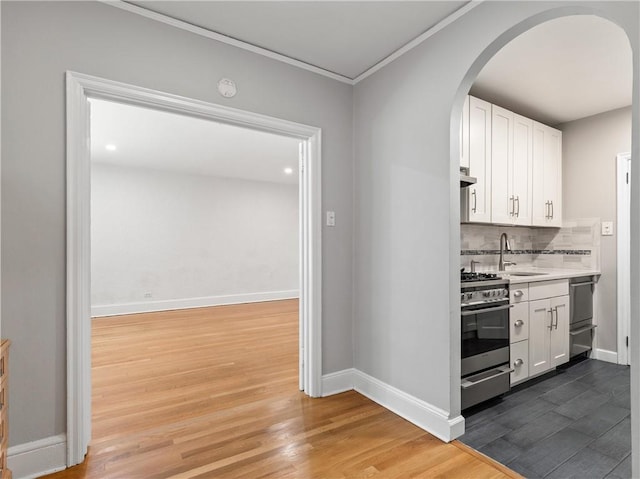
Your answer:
<point x="607" y="228"/>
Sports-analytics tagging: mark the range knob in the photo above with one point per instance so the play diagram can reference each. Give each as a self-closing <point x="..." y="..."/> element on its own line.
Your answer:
<point x="486" y="294"/>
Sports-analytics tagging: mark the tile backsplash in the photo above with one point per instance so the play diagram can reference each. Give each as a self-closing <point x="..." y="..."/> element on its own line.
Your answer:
<point x="574" y="246"/>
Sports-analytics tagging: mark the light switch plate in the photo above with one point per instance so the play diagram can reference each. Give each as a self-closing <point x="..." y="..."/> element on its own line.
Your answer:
<point x="331" y="218"/>
<point x="607" y="228"/>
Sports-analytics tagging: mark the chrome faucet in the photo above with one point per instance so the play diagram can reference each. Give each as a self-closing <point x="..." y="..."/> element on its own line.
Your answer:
<point x="504" y="246"/>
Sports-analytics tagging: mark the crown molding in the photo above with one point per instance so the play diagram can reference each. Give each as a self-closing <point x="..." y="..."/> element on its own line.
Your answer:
<point x="418" y="40"/>
<point x="224" y="39"/>
<point x="159" y="17"/>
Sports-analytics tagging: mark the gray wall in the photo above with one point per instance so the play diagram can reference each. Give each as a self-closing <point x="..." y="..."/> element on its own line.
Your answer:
<point x="589" y="149"/>
<point x="406" y="294"/>
<point x="40" y="41"/>
<point x="406" y="245"/>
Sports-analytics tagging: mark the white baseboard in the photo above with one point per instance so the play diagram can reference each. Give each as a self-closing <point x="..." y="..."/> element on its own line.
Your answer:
<point x="169" y="304"/>
<point x="338" y="382"/>
<point x="424" y="415"/>
<point x="38" y="458"/>
<point x="604" y="355"/>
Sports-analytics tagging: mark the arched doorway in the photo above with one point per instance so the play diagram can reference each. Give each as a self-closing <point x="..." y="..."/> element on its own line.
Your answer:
<point x="485" y="58"/>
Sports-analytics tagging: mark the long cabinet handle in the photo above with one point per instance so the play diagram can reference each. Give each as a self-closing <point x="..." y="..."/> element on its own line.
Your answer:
<point x="546" y="210"/>
<point x="556" y="310"/>
<point x="552" y="210"/>
<point x="512" y="212"/>
<point x="486" y="310"/>
<point x="550" y="311"/>
<point x="475" y="200"/>
<point x="518" y="210"/>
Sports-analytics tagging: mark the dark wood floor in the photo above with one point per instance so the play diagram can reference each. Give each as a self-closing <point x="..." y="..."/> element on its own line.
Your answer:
<point x="212" y="392"/>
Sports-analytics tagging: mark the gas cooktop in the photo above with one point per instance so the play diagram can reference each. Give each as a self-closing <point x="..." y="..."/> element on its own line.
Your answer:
<point x="468" y="277"/>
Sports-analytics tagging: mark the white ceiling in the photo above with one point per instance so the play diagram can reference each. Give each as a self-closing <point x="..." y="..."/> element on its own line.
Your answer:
<point x="561" y="70"/>
<point x="344" y="37"/>
<point x="147" y="138"/>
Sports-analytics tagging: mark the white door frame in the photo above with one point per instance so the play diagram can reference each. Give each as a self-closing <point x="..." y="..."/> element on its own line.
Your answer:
<point x="623" y="256"/>
<point x="80" y="88"/>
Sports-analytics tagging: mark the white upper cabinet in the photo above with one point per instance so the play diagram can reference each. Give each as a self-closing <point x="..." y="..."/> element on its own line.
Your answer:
<point x="502" y="203"/>
<point x="522" y="179"/>
<point x="547" y="176"/>
<point x="464" y="135"/>
<point x="480" y="160"/>
<point x="511" y="167"/>
<point x="517" y="163"/>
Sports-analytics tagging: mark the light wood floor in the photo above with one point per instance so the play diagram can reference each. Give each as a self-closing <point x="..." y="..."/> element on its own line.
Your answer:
<point x="212" y="393"/>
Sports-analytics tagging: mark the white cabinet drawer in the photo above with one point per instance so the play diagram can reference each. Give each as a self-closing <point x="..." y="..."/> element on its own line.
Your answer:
<point x="519" y="319"/>
<point x="519" y="293"/>
<point x="519" y="355"/>
<point x="548" y="289"/>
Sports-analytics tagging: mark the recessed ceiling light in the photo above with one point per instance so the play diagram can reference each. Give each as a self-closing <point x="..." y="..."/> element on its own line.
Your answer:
<point x="288" y="171"/>
<point x="110" y="147"/>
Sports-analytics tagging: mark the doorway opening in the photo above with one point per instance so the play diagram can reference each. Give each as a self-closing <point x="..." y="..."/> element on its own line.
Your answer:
<point x="587" y="177"/>
<point x="82" y="88"/>
<point x="194" y="270"/>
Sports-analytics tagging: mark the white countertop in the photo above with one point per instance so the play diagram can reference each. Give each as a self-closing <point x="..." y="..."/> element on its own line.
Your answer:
<point x="543" y="274"/>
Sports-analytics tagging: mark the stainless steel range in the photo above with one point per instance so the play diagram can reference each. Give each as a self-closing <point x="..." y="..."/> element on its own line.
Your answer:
<point x="484" y="304"/>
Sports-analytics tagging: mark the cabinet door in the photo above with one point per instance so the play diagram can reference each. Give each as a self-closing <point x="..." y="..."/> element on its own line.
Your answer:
<point x="519" y="355"/>
<point x="539" y="327"/>
<point x="553" y="180"/>
<point x="522" y="177"/>
<point x="547" y="176"/>
<point x="480" y="160"/>
<point x="559" y="337"/>
<point x="464" y="135"/>
<point x="502" y="199"/>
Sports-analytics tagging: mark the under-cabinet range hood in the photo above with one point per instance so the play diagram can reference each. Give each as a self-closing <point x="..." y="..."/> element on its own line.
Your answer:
<point x="465" y="179"/>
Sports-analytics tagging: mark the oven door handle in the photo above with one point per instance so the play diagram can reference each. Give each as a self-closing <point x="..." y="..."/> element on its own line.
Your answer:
<point x="466" y="384"/>
<point x="583" y="330"/>
<point x="487" y="310"/>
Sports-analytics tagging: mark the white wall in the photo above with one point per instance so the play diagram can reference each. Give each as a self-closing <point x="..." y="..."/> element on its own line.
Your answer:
<point x="407" y="245"/>
<point x="590" y="146"/>
<point x="181" y="236"/>
<point x="42" y="40"/>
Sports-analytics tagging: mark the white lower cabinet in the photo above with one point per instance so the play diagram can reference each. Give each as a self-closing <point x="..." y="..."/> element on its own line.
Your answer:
<point x="548" y="334"/>
<point x="559" y="337"/>
<point x="519" y="334"/>
<point x="539" y="332"/>
<point x="519" y="356"/>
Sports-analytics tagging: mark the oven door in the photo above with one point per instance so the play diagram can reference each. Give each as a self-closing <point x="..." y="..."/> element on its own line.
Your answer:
<point x="485" y="335"/>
